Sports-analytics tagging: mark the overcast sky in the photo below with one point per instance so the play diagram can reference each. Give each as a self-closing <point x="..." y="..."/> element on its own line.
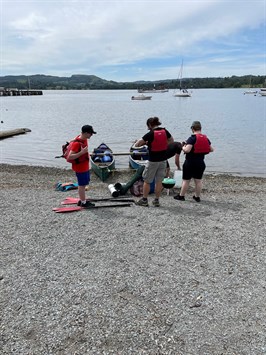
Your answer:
<point x="133" y="40"/>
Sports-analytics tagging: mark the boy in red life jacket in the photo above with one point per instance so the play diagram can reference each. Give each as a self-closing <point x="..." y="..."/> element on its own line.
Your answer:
<point x="157" y="140"/>
<point x="81" y="164"/>
<point x="195" y="148"/>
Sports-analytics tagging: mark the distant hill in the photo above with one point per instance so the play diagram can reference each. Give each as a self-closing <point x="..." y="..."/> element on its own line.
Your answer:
<point x="92" y="82"/>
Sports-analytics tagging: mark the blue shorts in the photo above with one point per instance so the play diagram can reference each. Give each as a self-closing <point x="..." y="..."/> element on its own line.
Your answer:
<point x="83" y="178"/>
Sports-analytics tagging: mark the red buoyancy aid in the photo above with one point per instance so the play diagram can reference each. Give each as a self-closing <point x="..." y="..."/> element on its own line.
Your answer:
<point x="83" y="157"/>
<point x="202" y="145"/>
<point x="159" y="142"/>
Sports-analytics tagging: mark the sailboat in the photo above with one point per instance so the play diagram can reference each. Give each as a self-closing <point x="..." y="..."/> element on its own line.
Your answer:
<point x="182" y="91"/>
<point x="250" y="91"/>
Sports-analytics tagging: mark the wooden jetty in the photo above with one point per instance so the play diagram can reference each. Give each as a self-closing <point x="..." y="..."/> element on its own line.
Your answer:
<point x="19" y="92"/>
<point x="13" y="132"/>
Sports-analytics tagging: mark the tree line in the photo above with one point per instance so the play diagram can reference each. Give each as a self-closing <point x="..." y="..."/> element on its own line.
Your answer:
<point x="92" y="82"/>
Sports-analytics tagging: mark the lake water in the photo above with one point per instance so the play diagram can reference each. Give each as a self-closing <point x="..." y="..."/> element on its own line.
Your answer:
<point x="235" y="124"/>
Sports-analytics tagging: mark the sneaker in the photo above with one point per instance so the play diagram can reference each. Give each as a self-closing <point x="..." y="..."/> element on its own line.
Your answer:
<point x="142" y="202"/>
<point x="197" y="199"/>
<point x="88" y="204"/>
<point x="156" y="203"/>
<point x="79" y="203"/>
<point x="180" y="198"/>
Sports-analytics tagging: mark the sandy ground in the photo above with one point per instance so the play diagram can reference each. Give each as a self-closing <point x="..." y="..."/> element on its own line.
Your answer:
<point x="185" y="278"/>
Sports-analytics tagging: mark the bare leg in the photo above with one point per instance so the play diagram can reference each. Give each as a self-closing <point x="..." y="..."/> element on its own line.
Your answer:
<point x="146" y="189"/>
<point x="198" y="187"/>
<point x="184" y="187"/>
<point x="177" y="161"/>
<point x="158" y="189"/>
<point x="82" y="194"/>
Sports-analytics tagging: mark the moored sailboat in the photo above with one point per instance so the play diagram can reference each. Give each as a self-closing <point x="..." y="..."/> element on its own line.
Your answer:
<point x="182" y="92"/>
<point x="250" y="90"/>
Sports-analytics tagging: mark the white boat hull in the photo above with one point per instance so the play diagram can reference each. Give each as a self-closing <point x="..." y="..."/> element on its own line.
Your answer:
<point x="153" y="90"/>
<point x="252" y="92"/>
<point x="141" y="97"/>
<point x="182" y="94"/>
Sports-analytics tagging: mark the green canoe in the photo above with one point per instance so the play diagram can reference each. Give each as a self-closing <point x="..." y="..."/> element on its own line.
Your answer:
<point x="102" y="161"/>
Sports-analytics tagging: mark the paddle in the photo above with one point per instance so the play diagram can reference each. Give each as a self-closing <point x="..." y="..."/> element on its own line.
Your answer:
<point x="122" y="153"/>
<point x="114" y="154"/>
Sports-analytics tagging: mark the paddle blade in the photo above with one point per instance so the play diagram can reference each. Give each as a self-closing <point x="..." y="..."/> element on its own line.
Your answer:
<point x="70" y="201"/>
<point x="67" y="209"/>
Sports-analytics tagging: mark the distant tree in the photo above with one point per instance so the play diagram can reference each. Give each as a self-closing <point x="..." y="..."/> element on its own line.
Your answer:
<point x="85" y="82"/>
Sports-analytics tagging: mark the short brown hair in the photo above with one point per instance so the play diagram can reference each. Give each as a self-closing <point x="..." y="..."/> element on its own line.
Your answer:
<point x="196" y="125"/>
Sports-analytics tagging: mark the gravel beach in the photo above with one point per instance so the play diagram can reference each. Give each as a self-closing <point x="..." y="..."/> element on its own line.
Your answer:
<point x="185" y="278"/>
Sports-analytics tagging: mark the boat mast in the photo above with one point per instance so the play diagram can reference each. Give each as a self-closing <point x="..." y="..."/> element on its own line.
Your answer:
<point x="180" y="75"/>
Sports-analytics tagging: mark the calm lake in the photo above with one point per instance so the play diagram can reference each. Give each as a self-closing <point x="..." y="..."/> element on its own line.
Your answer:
<point x="234" y="122"/>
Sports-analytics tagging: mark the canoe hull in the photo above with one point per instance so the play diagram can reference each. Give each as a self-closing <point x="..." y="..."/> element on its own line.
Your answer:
<point x="102" y="161"/>
<point x="103" y="172"/>
<point x="140" y="158"/>
<point x="135" y="164"/>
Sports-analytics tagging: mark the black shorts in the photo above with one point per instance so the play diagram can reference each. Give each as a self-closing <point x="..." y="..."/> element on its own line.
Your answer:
<point x="193" y="169"/>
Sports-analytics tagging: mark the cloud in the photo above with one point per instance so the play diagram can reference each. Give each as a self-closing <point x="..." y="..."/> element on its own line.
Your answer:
<point x="133" y="40"/>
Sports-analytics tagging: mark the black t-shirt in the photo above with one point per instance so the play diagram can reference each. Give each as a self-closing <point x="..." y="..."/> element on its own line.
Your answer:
<point x="155" y="156"/>
<point x="173" y="149"/>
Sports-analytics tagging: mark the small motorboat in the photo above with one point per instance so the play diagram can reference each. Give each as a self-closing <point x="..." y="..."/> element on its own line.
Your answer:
<point x="252" y="92"/>
<point x="153" y="91"/>
<point x="141" y="97"/>
<point x="102" y="161"/>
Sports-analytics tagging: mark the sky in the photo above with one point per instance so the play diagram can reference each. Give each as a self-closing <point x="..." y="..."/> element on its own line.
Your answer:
<point x="133" y="40"/>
